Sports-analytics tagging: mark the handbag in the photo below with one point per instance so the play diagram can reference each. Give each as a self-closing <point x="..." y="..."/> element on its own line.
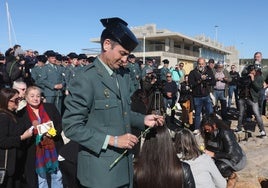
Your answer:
<point x="3" y="169"/>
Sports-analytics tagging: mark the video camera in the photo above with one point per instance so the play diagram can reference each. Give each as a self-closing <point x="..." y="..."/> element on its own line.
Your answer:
<point x="207" y="77"/>
<point x="157" y="75"/>
<point x="245" y="79"/>
<point x="205" y="82"/>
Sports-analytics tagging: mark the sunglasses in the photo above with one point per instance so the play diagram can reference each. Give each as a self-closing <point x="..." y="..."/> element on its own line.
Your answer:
<point x="168" y="76"/>
<point x="16" y="101"/>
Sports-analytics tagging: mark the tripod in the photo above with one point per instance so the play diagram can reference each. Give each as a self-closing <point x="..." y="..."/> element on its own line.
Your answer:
<point x="157" y="103"/>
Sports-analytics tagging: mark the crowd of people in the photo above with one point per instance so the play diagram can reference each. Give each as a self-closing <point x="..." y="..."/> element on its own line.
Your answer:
<point x="76" y="121"/>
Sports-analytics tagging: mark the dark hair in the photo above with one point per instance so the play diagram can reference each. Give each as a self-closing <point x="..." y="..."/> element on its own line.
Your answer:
<point x="10" y="51"/>
<point x="41" y="58"/>
<point x="106" y="34"/>
<point x="256" y="53"/>
<point x="91" y="59"/>
<point x="211" y="61"/>
<point x="212" y="120"/>
<point x="2" y="57"/>
<point x="251" y="68"/>
<point x="16" y="46"/>
<point x="186" y="145"/>
<point x="5" y="95"/>
<point x="158" y="165"/>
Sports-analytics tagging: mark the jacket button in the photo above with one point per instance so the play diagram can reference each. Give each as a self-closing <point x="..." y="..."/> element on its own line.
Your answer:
<point x="106" y="105"/>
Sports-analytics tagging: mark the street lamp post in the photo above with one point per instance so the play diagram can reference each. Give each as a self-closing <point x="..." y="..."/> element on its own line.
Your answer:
<point x="144" y="36"/>
<point x="241" y="53"/>
<point x="216" y="33"/>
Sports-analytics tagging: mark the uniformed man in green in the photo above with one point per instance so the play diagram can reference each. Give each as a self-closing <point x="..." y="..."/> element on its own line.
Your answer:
<point x="164" y="70"/>
<point x="149" y="65"/>
<point x="134" y="73"/>
<point x="98" y="114"/>
<point x="71" y="70"/>
<point x="37" y="69"/>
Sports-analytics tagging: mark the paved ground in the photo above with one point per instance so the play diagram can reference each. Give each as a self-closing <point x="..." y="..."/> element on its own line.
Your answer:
<point x="256" y="150"/>
<point x="257" y="154"/>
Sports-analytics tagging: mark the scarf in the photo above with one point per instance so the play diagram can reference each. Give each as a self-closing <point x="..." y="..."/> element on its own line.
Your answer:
<point x="46" y="155"/>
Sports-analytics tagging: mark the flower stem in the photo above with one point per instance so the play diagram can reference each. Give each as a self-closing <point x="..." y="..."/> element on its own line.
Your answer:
<point x="122" y="155"/>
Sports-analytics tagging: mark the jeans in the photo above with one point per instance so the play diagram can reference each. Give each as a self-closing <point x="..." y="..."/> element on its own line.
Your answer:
<point x="233" y="90"/>
<point x="255" y="109"/>
<point x="219" y="95"/>
<point x="170" y="103"/>
<point x="199" y="103"/>
<point x="261" y="100"/>
<point x="56" y="181"/>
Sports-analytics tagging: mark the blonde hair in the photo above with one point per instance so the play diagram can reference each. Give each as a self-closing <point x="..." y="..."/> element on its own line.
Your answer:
<point x="32" y="88"/>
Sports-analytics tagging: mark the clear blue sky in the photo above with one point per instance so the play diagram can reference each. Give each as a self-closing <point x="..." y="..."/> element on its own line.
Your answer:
<point x="68" y="25"/>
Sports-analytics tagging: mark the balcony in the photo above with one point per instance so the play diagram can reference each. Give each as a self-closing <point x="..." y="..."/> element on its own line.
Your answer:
<point x="161" y="48"/>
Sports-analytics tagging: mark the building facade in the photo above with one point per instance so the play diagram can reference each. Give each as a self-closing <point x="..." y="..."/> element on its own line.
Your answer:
<point x="176" y="47"/>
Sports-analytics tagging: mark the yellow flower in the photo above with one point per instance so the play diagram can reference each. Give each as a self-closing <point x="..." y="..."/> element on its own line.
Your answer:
<point x="202" y="147"/>
<point x="52" y="132"/>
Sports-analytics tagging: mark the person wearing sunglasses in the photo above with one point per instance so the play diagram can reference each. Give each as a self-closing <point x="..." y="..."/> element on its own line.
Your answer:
<point x="12" y="138"/>
<point x="170" y="96"/>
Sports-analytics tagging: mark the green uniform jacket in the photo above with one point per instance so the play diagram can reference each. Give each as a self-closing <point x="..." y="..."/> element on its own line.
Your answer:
<point x="95" y="107"/>
<point x="36" y="75"/>
<point x="49" y="78"/>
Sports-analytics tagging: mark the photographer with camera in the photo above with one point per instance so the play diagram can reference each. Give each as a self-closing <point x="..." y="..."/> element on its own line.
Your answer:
<point x="151" y="86"/>
<point x="249" y="86"/>
<point x="201" y="79"/>
<point x="149" y="65"/>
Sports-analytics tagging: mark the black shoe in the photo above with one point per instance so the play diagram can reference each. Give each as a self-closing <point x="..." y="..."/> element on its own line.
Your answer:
<point x="237" y="130"/>
<point x="262" y="135"/>
<point x="186" y="125"/>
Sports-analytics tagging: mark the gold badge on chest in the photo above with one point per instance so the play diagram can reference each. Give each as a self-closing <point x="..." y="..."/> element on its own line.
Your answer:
<point x="106" y="93"/>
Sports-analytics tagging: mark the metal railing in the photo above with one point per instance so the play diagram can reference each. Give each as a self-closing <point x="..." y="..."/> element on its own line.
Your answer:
<point x="161" y="47"/>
